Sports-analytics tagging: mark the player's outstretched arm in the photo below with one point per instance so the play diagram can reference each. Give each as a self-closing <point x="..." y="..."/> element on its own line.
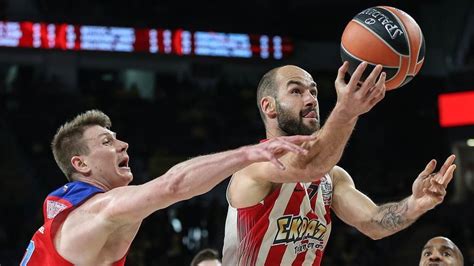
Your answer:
<point x="358" y="210"/>
<point x="194" y="177"/>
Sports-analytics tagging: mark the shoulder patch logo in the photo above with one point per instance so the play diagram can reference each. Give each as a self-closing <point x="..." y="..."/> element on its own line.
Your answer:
<point x="53" y="208"/>
<point x="326" y="189"/>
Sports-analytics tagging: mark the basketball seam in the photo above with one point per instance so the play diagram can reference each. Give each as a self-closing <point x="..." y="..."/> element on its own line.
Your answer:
<point x="376" y="35"/>
<point x="421" y="62"/>
<point x="408" y="41"/>
<point x="398" y="68"/>
<point x="421" y="43"/>
<point x="360" y="59"/>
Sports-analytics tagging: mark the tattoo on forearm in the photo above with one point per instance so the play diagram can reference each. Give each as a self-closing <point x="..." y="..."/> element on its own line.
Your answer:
<point x="392" y="216"/>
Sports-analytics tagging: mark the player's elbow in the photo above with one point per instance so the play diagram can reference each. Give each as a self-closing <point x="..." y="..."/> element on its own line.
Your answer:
<point x="373" y="234"/>
<point x="368" y="230"/>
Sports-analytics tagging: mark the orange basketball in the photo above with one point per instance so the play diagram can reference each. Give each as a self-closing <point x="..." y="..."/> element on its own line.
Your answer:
<point x="387" y="36"/>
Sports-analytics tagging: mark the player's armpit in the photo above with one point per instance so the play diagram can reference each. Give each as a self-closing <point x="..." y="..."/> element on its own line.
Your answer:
<point x="246" y="189"/>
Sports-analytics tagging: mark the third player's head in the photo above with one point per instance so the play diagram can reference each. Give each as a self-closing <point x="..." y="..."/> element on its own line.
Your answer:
<point x="287" y="101"/>
<point x="86" y="148"/>
<point x="206" y="257"/>
<point x="441" y="251"/>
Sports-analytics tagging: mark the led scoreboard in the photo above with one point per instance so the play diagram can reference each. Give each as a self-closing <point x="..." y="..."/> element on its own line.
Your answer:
<point x="146" y="40"/>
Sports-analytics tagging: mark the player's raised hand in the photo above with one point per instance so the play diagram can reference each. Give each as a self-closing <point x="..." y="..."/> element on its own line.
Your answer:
<point x="429" y="188"/>
<point x="272" y="149"/>
<point x="357" y="97"/>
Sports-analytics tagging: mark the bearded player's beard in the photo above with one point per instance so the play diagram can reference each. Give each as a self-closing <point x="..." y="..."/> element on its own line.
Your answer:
<point x="291" y="125"/>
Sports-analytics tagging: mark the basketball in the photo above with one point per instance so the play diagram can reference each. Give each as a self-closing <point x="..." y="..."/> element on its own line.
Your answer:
<point x="387" y="36"/>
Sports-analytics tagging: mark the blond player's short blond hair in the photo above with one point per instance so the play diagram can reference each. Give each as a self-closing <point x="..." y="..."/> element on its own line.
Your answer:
<point x="68" y="141"/>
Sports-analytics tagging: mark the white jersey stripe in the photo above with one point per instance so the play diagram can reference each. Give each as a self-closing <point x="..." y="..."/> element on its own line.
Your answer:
<point x="231" y="238"/>
<point x="320" y="211"/>
<point x="277" y="211"/>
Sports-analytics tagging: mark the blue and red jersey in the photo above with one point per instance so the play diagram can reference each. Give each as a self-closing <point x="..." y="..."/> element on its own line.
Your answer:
<point x="57" y="205"/>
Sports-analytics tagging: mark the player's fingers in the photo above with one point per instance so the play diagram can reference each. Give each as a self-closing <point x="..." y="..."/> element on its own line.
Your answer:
<point x="448" y="175"/>
<point x="379" y="92"/>
<point x="341" y="73"/>
<point x="437" y="187"/>
<point x="437" y="196"/>
<point x="449" y="161"/>
<point x="298" y="139"/>
<point x="370" y="81"/>
<point x="434" y="192"/>
<point x="428" y="169"/>
<point x="277" y="163"/>
<point x="290" y="147"/>
<point x="279" y="149"/>
<point x="357" y="75"/>
<point x="379" y="87"/>
<point x="425" y="182"/>
<point x="382" y="78"/>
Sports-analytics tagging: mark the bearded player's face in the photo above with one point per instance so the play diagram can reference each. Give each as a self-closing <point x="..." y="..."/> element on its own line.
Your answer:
<point x="296" y="102"/>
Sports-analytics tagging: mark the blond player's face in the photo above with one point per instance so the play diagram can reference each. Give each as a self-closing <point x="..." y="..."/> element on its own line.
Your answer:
<point x="440" y="251"/>
<point x="107" y="158"/>
<point x="297" y="104"/>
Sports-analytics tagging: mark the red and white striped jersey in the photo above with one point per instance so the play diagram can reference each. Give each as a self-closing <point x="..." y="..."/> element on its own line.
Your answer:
<point x="291" y="226"/>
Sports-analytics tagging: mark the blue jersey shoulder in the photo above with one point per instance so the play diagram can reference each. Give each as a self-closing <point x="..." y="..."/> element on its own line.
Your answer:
<point x="75" y="192"/>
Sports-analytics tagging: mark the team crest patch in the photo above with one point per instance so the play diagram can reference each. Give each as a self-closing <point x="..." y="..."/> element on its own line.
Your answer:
<point x="326" y="189"/>
<point x="53" y="208"/>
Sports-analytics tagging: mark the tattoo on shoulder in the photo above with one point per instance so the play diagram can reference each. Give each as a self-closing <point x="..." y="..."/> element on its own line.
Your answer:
<point x="392" y="216"/>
